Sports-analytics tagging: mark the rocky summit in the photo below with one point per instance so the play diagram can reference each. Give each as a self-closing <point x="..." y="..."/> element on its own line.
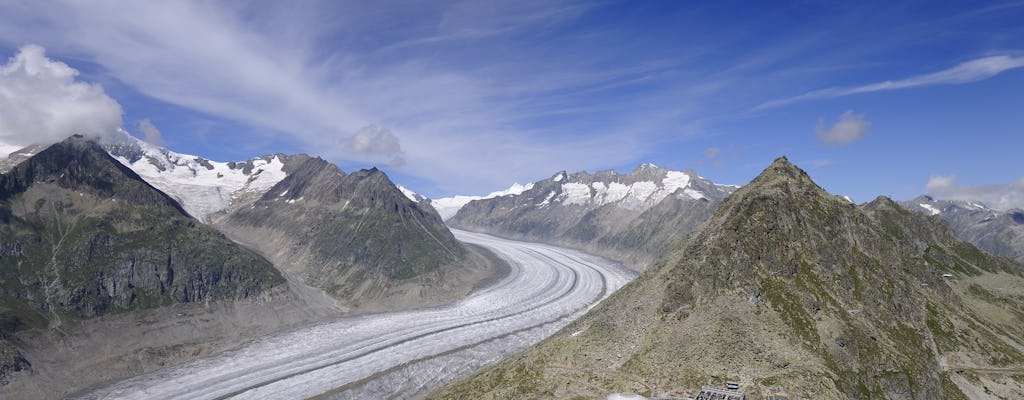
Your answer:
<point x="788" y="290"/>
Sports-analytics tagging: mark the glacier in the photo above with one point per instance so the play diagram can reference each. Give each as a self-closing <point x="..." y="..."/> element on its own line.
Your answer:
<point x="400" y="354"/>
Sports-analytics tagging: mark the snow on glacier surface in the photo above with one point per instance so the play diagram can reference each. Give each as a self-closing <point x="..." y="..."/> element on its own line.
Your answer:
<point x="401" y="354"/>
<point x="202" y="190"/>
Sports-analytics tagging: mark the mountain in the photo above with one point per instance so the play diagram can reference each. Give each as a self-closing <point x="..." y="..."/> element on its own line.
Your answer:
<point x="103" y="275"/>
<point x="203" y="187"/>
<point x="997" y="232"/>
<point x="791" y="291"/>
<point x="630" y="217"/>
<point x="367" y="243"/>
<point x="18" y="155"/>
<point x="447" y="207"/>
<point x="358" y="237"/>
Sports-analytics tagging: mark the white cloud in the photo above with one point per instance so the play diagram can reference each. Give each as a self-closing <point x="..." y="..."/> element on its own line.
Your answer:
<point x="459" y="120"/>
<point x="999" y="197"/>
<point x="375" y="140"/>
<point x="849" y="129"/>
<point x="150" y="134"/>
<point x="939" y="183"/>
<point x="42" y="101"/>
<point x="970" y="71"/>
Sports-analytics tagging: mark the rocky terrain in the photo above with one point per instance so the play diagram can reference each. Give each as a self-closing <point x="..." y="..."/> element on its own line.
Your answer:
<point x="631" y="217"/>
<point x="791" y="291"/>
<point x="92" y="257"/>
<point x="997" y="232"/>
<point x="357" y="237"/>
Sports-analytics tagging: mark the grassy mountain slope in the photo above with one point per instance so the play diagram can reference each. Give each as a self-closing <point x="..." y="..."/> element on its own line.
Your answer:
<point x="790" y="290"/>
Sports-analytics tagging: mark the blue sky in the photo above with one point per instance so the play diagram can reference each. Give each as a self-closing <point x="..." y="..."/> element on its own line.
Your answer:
<point x="467" y="97"/>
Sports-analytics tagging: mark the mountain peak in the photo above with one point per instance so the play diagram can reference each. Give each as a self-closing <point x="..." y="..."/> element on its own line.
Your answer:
<point x="784" y="179"/>
<point x="79" y="163"/>
<point x="781" y="167"/>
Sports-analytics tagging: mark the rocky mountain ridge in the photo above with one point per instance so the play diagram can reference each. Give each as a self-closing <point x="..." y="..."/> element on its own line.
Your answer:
<point x="630" y="217"/>
<point x="791" y="291"/>
<point x="357" y="236"/>
<point x="997" y="232"/>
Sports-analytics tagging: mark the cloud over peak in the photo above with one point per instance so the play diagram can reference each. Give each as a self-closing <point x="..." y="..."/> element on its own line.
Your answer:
<point x="999" y="197"/>
<point x="849" y="129"/>
<point x="376" y="141"/>
<point x="42" y="101"/>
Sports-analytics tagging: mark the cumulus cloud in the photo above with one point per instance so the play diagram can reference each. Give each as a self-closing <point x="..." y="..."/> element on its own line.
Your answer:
<point x="999" y="197"/>
<point x="373" y="140"/>
<point x="850" y="128"/>
<point x="42" y="101"/>
<point x="150" y="134"/>
<point x="939" y="183"/>
<point x="966" y="72"/>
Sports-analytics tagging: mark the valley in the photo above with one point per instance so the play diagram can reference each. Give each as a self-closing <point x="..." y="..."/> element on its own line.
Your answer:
<point x="403" y="353"/>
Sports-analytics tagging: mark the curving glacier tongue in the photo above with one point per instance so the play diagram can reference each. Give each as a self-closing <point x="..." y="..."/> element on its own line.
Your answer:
<point x="401" y="354"/>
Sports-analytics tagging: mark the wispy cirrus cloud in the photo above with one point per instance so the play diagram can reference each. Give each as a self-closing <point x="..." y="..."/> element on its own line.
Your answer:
<point x="966" y="72"/>
<point x="438" y="94"/>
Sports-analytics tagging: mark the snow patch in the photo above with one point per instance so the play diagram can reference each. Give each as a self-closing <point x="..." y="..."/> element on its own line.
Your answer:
<point x="575" y="193"/>
<point x="931" y="210"/>
<point x="547" y="200"/>
<point x="694" y="194"/>
<point x="409" y="194"/>
<point x="449" y="206"/>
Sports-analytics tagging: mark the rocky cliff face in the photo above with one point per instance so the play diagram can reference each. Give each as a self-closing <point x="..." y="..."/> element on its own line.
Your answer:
<point x="630" y="217"/>
<point x="997" y="232"/>
<point x="356" y="236"/>
<point x="83" y="237"/>
<point x="789" y="290"/>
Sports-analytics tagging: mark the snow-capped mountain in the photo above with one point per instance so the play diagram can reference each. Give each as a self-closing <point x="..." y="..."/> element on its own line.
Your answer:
<point x="997" y="232"/>
<point x="448" y="206"/>
<point x="203" y="187"/>
<point x="630" y="217"/>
